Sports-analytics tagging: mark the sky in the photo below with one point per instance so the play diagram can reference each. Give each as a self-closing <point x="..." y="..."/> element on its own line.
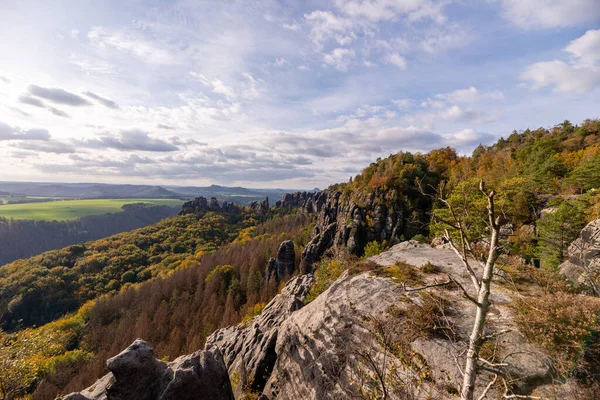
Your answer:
<point x="279" y="93"/>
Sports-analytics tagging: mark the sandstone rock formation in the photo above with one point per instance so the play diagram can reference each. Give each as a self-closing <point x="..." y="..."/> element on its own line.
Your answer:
<point x="358" y="336"/>
<point x="583" y="265"/>
<point x="249" y="351"/>
<point x="351" y="221"/>
<point x="136" y="374"/>
<point x="201" y="204"/>
<point x="284" y="265"/>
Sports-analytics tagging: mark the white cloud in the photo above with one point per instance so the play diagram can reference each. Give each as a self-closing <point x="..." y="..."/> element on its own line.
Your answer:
<point x="532" y="14"/>
<point x="580" y="75"/>
<point x="379" y="10"/>
<point x="469" y="95"/>
<point x="586" y="49"/>
<point x="369" y="64"/>
<point x="562" y="77"/>
<point x="131" y="42"/>
<point x="292" y="27"/>
<point x="325" y="25"/>
<point x="92" y="66"/>
<point x="441" y="39"/>
<point x="403" y="104"/>
<point x="217" y="86"/>
<point x="340" y="58"/>
<point x="280" y="62"/>
<point x="397" y="60"/>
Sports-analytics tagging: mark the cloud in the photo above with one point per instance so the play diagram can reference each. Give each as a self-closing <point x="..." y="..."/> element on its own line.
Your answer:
<point x="217" y="86"/>
<point x="46" y="147"/>
<point x="58" y="96"/>
<point x="58" y="112"/>
<point x="580" y="75"/>
<point x="586" y="49"/>
<point x="325" y="26"/>
<point x="378" y="10"/>
<point x="92" y="66"/>
<point x="547" y="14"/>
<point x="132" y="42"/>
<point x="4" y="79"/>
<point x="340" y="58"/>
<point x="102" y="100"/>
<point x="441" y="39"/>
<point x="32" y="101"/>
<point x="292" y="27"/>
<point x="404" y="104"/>
<point x="8" y="132"/>
<point x="397" y="60"/>
<point x="129" y="140"/>
<point x="469" y="95"/>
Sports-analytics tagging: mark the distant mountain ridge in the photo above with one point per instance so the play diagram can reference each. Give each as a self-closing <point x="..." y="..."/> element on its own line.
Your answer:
<point x="237" y="194"/>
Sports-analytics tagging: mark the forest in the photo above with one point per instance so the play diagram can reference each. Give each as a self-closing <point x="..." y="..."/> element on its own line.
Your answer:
<point x="22" y="238"/>
<point x="149" y="282"/>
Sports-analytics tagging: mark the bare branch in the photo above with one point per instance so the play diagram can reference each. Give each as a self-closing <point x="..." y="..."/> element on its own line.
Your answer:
<point x="406" y="289"/>
<point x="464" y="260"/>
<point x="487" y="388"/>
<point x="465" y="293"/>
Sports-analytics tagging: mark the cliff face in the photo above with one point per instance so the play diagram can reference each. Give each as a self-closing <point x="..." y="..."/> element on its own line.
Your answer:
<point x="350" y="221"/>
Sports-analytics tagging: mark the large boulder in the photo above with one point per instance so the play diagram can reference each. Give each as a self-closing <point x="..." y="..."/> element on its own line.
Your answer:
<point x="583" y="263"/>
<point x="136" y="374"/>
<point x="249" y="349"/>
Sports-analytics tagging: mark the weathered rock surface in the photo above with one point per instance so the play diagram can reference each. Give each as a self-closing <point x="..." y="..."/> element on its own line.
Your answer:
<point x="284" y="265"/>
<point x="249" y="351"/>
<point x="136" y="374"/>
<point x="350" y="222"/>
<point x="584" y="257"/>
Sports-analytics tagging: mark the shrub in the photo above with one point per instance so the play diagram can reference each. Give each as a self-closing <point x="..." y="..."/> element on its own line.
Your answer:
<point x="328" y="271"/>
<point x="420" y="238"/>
<point x="430" y="268"/>
<point x="559" y="323"/>
<point x="253" y="311"/>
<point x="374" y="248"/>
<point x="401" y="272"/>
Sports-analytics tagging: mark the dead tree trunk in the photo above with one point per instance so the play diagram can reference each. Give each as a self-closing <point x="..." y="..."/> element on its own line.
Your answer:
<point x="483" y="304"/>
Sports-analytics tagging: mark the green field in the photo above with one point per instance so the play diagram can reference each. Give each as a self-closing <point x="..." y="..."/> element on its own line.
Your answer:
<point x="72" y="209"/>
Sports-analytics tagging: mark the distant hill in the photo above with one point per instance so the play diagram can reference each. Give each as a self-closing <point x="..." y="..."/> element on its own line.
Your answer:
<point x="236" y="194"/>
<point x="85" y="190"/>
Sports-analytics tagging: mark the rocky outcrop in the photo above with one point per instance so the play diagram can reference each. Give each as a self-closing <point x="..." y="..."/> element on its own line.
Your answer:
<point x="249" y="351"/>
<point x="260" y="208"/>
<point x="284" y="265"/>
<point x="350" y="221"/>
<point x="201" y="205"/>
<point x="363" y="333"/>
<point x="136" y="374"/>
<point x="583" y="264"/>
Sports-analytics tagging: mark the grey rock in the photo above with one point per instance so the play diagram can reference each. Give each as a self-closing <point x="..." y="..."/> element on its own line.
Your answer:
<point x="359" y="219"/>
<point x="584" y="257"/>
<point x="136" y="374"/>
<point x="249" y="351"/>
<point x="284" y="265"/>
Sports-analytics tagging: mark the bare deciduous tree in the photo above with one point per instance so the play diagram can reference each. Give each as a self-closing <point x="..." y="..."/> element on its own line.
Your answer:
<point x="459" y="226"/>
